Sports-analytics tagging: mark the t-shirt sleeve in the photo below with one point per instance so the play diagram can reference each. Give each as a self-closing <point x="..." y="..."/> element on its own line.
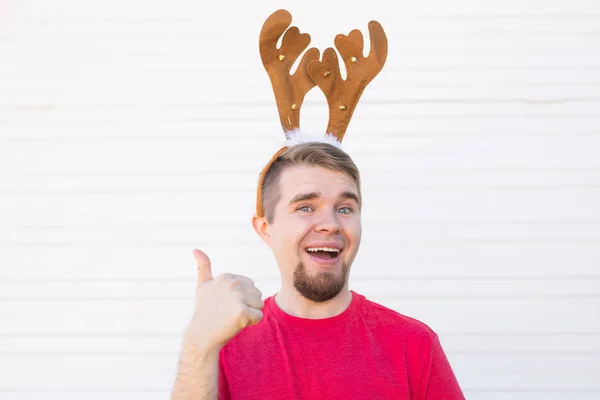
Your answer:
<point x="223" y="385"/>
<point x="440" y="382"/>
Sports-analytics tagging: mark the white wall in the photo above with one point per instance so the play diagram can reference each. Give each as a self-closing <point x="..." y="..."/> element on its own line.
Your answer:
<point x="133" y="131"/>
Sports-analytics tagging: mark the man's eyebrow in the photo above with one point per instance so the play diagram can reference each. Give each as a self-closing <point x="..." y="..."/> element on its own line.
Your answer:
<point x="315" y="195"/>
<point x="305" y="196"/>
<point x="350" y="195"/>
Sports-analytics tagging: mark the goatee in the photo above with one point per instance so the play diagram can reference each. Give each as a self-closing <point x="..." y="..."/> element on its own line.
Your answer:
<point x="323" y="286"/>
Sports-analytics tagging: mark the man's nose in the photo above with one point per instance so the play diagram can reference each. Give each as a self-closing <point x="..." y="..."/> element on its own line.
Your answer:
<point x="328" y="222"/>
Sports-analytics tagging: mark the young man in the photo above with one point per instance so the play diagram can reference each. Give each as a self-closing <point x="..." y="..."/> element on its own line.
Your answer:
<point x="314" y="339"/>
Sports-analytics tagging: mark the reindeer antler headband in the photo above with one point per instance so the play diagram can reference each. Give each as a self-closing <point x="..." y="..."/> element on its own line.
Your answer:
<point x="290" y="90"/>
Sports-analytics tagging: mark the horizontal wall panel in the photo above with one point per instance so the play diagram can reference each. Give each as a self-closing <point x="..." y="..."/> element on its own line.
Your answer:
<point x="374" y="233"/>
<point x="157" y="372"/>
<point x="70" y="10"/>
<point x="528" y="22"/>
<point x="128" y="59"/>
<point x="165" y="261"/>
<point x="198" y="110"/>
<point x="222" y="180"/>
<point x="167" y="344"/>
<point x="400" y="94"/>
<point x="156" y="316"/>
<point x="89" y="394"/>
<point x="402" y="288"/>
<point x="154" y="81"/>
<point x="188" y="164"/>
<point x="174" y="147"/>
<point x="412" y="204"/>
<point x="266" y="131"/>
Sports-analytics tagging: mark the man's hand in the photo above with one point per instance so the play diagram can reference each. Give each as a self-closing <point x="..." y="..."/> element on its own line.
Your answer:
<point x="224" y="306"/>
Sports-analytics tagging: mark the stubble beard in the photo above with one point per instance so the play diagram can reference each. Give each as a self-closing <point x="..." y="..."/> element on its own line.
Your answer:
<point x="321" y="287"/>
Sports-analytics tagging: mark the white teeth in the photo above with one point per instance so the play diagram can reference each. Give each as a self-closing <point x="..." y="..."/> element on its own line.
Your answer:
<point x="330" y="249"/>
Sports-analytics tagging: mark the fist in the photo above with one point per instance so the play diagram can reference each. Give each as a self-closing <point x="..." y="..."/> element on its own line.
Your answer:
<point x="224" y="306"/>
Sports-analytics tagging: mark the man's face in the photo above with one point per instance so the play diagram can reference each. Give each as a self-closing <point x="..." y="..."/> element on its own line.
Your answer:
<point x="316" y="231"/>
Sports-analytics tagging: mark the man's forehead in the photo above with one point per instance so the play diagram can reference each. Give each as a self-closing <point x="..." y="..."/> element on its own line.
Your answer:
<point x="320" y="188"/>
<point x="313" y="190"/>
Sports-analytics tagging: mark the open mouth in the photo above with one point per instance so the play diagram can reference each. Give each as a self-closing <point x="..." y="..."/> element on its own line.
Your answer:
<point x="323" y="253"/>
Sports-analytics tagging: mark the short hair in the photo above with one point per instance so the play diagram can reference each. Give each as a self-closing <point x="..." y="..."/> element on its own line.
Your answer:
<point x="311" y="154"/>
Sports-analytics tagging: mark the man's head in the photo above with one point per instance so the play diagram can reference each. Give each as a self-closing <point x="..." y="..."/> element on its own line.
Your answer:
<point x="311" y="198"/>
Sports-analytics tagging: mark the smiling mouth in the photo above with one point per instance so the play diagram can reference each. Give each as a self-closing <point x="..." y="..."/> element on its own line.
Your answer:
<point x="323" y="253"/>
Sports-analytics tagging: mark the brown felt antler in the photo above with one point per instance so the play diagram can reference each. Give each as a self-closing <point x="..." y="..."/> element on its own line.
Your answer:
<point x="289" y="89"/>
<point x="343" y="95"/>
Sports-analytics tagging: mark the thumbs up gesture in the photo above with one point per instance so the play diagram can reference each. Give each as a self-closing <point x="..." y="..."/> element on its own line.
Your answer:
<point x="224" y="306"/>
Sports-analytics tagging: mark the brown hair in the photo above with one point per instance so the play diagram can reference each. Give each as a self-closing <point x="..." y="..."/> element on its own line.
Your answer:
<point x="314" y="154"/>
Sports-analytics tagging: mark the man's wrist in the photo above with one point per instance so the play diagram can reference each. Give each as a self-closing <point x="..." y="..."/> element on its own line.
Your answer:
<point x="200" y="347"/>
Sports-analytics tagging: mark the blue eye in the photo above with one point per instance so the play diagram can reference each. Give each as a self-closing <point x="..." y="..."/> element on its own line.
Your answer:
<point x="348" y="210"/>
<point x="304" y="208"/>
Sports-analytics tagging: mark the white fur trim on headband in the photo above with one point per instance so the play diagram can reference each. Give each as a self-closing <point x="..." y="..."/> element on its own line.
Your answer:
<point x="296" y="136"/>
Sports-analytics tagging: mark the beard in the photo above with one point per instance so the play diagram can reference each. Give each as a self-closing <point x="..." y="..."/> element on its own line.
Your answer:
<point x="323" y="286"/>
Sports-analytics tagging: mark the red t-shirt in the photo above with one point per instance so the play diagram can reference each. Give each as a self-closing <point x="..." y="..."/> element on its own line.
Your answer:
<point x="366" y="352"/>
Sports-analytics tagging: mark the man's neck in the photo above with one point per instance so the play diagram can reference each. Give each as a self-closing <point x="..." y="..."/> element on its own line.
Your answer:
<point x="293" y="303"/>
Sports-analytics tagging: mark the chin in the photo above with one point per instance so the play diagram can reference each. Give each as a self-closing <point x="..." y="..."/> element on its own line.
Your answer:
<point x="321" y="286"/>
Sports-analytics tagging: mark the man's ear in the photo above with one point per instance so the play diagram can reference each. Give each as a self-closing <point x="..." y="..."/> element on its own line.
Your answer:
<point x="261" y="227"/>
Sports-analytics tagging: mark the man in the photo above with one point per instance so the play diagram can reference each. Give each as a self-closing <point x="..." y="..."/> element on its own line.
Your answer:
<point x="314" y="339"/>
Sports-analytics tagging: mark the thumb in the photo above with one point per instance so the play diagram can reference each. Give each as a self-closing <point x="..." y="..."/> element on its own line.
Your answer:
<point x="204" y="270"/>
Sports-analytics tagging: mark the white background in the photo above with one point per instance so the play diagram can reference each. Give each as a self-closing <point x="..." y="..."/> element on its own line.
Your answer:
<point x="133" y="131"/>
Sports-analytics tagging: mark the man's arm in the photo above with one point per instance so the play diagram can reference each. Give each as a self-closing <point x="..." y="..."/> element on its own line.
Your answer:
<point x="224" y="306"/>
<point x="197" y="375"/>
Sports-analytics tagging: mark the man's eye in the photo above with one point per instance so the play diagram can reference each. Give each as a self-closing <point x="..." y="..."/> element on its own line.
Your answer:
<point x="345" y="210"/>
<point x="304" y="208"/>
